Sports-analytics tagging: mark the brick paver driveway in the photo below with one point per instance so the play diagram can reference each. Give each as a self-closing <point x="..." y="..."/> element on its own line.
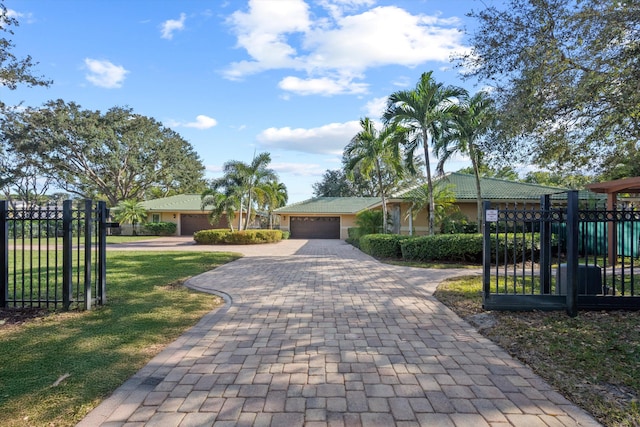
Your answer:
<point x="316" y="333"/>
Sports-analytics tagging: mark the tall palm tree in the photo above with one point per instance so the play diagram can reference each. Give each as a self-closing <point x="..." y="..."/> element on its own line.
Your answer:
<point x="130" y="212"/>
<point x="427" y="111"/>
<point x="372" y="151"/>
<point x="472" y="122"/>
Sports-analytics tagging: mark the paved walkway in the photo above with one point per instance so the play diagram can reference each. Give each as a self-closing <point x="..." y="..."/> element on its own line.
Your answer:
<point x="316" y="333"/>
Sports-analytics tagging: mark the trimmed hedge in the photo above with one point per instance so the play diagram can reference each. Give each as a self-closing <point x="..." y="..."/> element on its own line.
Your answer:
<point x="443" y="247"/>
<point x="228" y="237"/>
<point x="160" y="228"/>
<point x="382" y="245"/>
<point x="468" y="247"/>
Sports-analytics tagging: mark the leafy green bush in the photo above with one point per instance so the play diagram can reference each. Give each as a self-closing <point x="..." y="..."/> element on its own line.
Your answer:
<point x="458" y="223"/>
<point x="160" y="228"/>
<point x="245" y="237"/>
<point x="354" y="234"/>
<point x="443" y="247"/>
<point x="285" y="235"/>
<point x="382" y="245"/>
<point x="369" y="222"/>
<point x="468" y="247"/>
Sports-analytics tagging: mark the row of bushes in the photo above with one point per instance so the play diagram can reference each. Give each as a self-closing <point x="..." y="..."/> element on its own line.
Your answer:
<point x="448" y="247"/>
<point x="244" y="237"/>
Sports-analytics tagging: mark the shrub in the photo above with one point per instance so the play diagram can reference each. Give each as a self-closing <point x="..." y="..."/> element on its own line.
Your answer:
<point x="443" y="247"/>
<point x="354" y="234"/>
<point x="160" y="228"/>
<point x="244" y="237"/>
<point x="285" y="235"/>
<point x="458" y="223"/>
<point x="382" y="245"/>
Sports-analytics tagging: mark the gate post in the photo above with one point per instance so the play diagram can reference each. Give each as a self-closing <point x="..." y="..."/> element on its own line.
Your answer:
<point x="67" y="251"/>
<point x="486" y="252"/>
<point x="88" y="228"/>
<point x="545" y="244"/>
<point x="4" y="253"/>
<point x="103" y="213"/>
<point x="572" y="253"/>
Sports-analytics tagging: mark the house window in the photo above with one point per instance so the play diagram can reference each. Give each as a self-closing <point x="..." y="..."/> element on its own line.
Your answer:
<point x="155" y="218"/>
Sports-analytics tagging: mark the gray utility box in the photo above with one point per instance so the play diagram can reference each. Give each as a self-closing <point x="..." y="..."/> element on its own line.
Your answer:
<point x="589" y="280"/>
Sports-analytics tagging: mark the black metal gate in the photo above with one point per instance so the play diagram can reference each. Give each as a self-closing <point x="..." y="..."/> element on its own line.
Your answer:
<point x="53" y="257"/>
<point x="558" y="256"/>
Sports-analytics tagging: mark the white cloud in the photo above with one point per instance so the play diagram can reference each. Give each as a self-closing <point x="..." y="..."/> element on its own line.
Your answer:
<point x="297" y="169"/>
<point x="202" y="122"/>
<point x="328" y="139"/>
<point x="321" y="86"/>
<point x="104" y="73"/>
<point x="172" y="25"/>
<point x="333" y="52"/>
<point x="375" y="108"/>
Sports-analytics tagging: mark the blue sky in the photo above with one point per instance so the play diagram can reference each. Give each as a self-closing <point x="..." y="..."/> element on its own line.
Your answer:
<point x="289" y="77"/>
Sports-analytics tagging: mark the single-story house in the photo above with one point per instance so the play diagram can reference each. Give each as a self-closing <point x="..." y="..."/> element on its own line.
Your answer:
<point x="185" y="210"/>
<point x="331" y="217"/>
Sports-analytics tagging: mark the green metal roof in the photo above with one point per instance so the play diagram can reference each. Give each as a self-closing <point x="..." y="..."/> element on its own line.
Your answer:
<point x="182" y="202"/>
<point x="330" y="205"/>
<point x="463" y="187"/>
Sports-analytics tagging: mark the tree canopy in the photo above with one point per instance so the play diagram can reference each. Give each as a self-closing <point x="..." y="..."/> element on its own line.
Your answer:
<point x="566" y="77"/>
<point x="118" y="155"/>
<point x="14" y="70"/>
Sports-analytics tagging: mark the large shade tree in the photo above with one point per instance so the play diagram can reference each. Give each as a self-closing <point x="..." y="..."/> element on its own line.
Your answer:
<point x="373" y="151"/>
<point x="473" y="120"/>
<point x="427" y="111"/>
<point x="566" y="78"/>
<point x="118" y="155"/>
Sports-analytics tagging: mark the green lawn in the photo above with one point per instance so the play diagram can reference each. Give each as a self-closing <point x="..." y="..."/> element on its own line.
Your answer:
<point x="100" y="349"/>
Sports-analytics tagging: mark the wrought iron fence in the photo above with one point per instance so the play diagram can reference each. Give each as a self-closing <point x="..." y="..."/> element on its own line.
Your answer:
<point x="557" y="256"/>
<point x="53" y="257"/>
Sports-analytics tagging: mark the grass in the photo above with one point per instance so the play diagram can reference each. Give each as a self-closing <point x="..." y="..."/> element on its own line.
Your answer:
<point x="126" y="239"/>
<point x="98" y="350"/>
<point x="593" y="359"/>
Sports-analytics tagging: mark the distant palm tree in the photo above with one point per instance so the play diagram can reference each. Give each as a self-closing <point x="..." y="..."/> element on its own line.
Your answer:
<point x="372" y="151"/>
<point x="273" y="195"/>
<point x="473" y="120"/>
<point x="427" y="111"/>
<point x="130" y="212"/>
<point x="220" y="204"/>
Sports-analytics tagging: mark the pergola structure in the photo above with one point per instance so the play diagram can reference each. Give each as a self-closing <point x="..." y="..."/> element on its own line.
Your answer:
<point x="612" y="189"/>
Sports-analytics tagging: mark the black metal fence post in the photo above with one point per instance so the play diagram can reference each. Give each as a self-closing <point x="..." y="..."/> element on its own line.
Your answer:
<point x="486" y="252"/>
<point x="67" y="254"/>
<point x="103" y="214"/>
<point x="4" y="254"/>
<point x="572" y="253"/>
<point x="88" y="228"/>
<point x="545" y="244"/>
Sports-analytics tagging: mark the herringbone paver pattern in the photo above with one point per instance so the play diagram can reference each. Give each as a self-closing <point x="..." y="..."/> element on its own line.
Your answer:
<point x="330" y="337"/>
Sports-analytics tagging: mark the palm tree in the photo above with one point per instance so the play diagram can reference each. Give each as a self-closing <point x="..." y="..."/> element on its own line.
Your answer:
<point x="426" y="110"/>
<point x="371" y="151"/>
<point x="130" y="212"/>
<point x="273" y="195"/>
<point x="221" y="203"/>
<point x="249" y="177"/>
<point x="475" y="118"/>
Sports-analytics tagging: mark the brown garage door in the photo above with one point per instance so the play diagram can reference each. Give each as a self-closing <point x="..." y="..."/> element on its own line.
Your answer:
<point x="190" y="223"/>
<point x="309" y="227"/>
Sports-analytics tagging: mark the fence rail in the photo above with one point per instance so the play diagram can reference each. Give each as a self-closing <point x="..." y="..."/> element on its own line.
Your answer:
<point x="558" y="256"/>
<point x="53" y="257"/>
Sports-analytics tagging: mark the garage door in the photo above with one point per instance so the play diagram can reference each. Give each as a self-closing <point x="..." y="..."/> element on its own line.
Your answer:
<point x="309" y="227"/>
<point x="190" y="223"/>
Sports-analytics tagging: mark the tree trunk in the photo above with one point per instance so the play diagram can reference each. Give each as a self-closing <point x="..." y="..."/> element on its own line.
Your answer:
<point x="476" y="172"/>
<point x="384" y="201"/>
<point x="432" y="203"/>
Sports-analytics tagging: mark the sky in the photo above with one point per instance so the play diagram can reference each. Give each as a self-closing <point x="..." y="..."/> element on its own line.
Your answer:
<point x="237" y="77"/>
